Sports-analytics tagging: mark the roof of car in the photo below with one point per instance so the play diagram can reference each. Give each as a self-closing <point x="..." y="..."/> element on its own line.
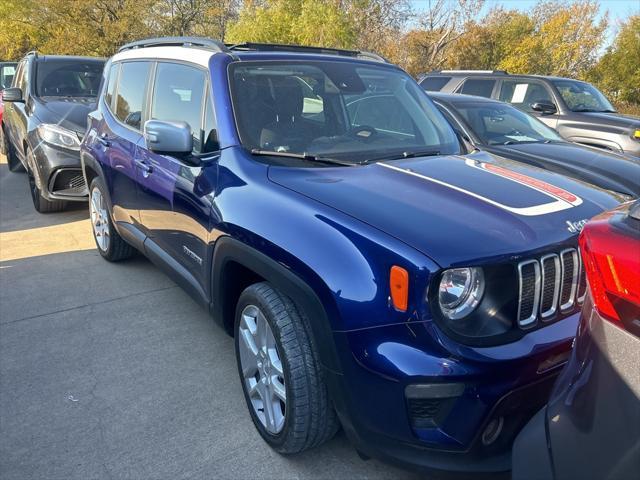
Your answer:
<point x="200" y="50"/>
<point x="490" y="73"/>
<point x="60" y="58"/>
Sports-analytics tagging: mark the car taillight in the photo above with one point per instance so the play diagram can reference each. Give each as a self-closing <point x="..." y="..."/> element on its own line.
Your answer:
<point x="610" y="248"/>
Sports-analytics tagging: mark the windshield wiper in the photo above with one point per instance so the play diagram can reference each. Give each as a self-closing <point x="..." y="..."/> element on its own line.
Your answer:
<point x="400" y="156"/>
<point x="302" y="156"/>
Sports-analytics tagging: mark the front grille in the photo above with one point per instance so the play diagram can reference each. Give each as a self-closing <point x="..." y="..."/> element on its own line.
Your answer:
<point x="68" y="181"/>
<point x="548" y="285"/>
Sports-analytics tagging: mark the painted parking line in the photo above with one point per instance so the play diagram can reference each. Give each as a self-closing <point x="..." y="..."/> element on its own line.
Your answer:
<point x="34" y="242"/>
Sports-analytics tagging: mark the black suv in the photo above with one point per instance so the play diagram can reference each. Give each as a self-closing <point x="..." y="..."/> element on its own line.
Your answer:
<point x="577" y="110"/>
<point x="44" y="121"/>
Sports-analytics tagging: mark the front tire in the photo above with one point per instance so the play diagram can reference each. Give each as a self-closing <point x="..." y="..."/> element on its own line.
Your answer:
<point x="280" y="372"/>
<point x="110" y="244"/>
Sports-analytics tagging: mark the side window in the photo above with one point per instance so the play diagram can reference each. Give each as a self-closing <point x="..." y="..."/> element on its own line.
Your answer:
<point x="481" y="87"/>
<point x="111" y="85"/>
<point x="131" y="91"/>
<point x="522" y="94"/>
<point x="178" y="95"/>
<point x="434" y="84"/>
<point x="6" y="75"/>
<point x="210" y="131"/>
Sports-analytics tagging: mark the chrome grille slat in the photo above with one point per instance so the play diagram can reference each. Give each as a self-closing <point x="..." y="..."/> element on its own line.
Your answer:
<point x="582" y="281"/>
<point x="550" y="285"/>
<point x="528" y="292"/>
<point x="569" y="278"/>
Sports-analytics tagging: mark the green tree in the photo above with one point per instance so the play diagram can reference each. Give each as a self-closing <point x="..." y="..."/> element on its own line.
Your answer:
<point x="304" y="22"/>
<point x="618" y="71"/>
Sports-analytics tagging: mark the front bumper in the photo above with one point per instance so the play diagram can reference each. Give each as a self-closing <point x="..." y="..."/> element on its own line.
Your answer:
<point x="59" y="174"/>
<point x="502" y="385"/>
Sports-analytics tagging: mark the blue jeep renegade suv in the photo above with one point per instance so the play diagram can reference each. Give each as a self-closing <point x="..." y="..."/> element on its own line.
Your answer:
<point x="373" y="275"/>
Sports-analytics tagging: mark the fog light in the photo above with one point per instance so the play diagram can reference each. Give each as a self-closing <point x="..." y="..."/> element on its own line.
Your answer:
<point x="492" y="431"/>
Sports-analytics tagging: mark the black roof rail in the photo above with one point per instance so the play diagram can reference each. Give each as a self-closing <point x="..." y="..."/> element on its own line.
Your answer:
<point x="479" y="72"/>
<point x="277" y="47"/>
<point x="198" y="42"/>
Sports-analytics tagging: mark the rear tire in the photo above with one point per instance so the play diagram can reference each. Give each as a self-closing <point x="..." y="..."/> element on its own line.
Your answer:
<point x="41" y="204"/>
<point x="305" y="418"/>
<point x="110" y="244"/>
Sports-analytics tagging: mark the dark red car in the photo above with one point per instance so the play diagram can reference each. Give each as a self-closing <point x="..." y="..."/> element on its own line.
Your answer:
<point x="591" y="427"/>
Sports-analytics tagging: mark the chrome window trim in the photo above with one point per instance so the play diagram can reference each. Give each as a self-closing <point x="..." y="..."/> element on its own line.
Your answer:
<point x="531" y="320"/>
<point x="556" y="286"/>
<point x="574" y="280"/>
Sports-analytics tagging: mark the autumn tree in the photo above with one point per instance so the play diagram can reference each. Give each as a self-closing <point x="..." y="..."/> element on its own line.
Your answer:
<point x="490" y="40"/>
<point x="440" y="25"/>
<point x="564" y="42"/>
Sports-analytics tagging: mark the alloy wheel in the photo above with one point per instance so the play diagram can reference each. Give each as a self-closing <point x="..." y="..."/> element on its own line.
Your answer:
<point x="262" y="369"/>
<point x="99" y="219"/>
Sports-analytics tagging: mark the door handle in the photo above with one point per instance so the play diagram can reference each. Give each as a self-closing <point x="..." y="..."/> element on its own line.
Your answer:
<point x="145" y="167"/>
<point x="104" y="140"/>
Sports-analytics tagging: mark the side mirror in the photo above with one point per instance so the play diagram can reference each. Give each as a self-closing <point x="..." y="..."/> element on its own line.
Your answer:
<point x="544" y="107"/>
<point x="12" y="95"/>
<point x="172" y="138"/>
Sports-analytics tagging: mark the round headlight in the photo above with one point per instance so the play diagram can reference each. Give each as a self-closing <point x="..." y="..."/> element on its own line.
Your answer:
<point x="460" y="291"/>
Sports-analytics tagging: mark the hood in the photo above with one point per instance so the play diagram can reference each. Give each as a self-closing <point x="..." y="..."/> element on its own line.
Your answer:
<point x="604" y="169"/>
<point x="457" y="210"/>
<point x="68" y="112"/>
<point x="612" y="119"/>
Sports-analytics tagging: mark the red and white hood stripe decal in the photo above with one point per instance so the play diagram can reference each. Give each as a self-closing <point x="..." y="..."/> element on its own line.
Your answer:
<point x="561" y="199"/>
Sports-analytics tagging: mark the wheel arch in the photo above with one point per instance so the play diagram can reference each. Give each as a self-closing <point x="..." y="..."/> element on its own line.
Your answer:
<point x="236" y="265"/>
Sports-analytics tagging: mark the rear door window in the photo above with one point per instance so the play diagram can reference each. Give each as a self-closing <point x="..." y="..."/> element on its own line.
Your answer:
<point x="178" y="95"/>
<point x="131" y="90"/>
<point x="524" y="93"/>
<point x="482" y="87"/>
<point x="434" y="84"/>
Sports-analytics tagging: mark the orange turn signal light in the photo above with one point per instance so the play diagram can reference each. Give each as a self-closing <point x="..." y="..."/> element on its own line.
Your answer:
<point x="399" y="285"/>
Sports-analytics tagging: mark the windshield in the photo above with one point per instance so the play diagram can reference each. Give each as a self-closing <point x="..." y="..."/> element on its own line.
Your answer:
<point x="68" y="79"/>
<point x="498" y="124"/>
<point x="583" y="97"/>
<point x="338" y="110"/>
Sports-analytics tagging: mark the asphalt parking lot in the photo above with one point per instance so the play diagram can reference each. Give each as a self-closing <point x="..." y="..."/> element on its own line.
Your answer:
<point x="112" y="371"/>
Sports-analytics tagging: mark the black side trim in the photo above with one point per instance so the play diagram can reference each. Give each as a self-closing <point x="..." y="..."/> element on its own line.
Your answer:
<point x="177" y="272"/>
<point x="131" y="234"/>
<point x="229" y="250"/>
